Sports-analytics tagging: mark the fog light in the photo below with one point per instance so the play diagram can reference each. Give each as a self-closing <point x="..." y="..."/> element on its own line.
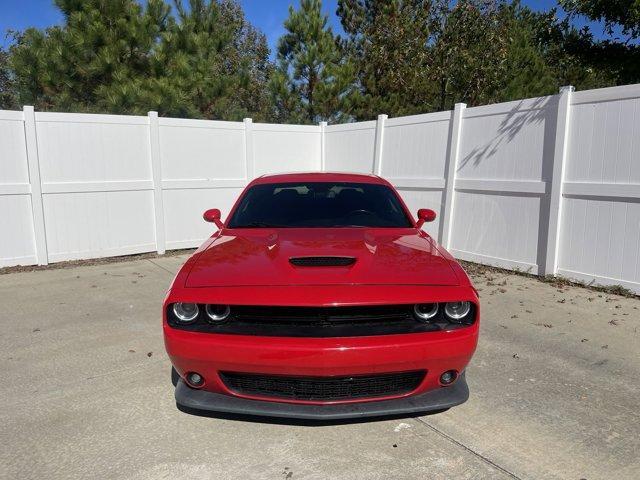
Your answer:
<point x="195" y="379"/>
<point x="448" y="377"/>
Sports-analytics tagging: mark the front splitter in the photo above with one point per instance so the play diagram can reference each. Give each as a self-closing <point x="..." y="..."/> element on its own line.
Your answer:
<point x="440" y="399"/>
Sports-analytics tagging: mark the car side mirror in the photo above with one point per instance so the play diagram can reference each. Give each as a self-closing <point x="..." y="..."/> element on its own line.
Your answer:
<point x="425" y="215"/>
<point x="213" y="216"/>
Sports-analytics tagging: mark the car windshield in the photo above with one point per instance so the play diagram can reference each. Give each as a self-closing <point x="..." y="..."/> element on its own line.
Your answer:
<point x="319" y="204"/>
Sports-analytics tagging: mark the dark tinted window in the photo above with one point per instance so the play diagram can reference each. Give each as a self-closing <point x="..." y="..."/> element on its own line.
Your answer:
<point x="319" y="204"/>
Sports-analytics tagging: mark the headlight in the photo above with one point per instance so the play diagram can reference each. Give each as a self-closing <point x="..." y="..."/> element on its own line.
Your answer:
<point x="457" y="310"/>
<point x="425" y="311"/>
<point x="186" y="312"/>
<point x="218" y="313"/>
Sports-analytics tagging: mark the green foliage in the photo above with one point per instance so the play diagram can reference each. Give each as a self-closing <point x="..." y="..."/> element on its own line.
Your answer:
<point x="8" y="100"/>
<point x="313" y="81"/>
<point x="542" y="56"/>
<point x="202" y="59"/>
<point x="100" y="53"/>
<point x="216" y="61"/>
<point x="120" y="57"/>
<point x="470" y="52"/>
<point x="415" y="56"/>
<point x="614" y="13"/>
<point x="528" y="72"/>
<point x="615" y="60"/>
<point x="389" y="42"/>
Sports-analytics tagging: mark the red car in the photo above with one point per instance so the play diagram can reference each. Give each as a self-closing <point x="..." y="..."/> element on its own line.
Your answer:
<point x="320" y="298"/>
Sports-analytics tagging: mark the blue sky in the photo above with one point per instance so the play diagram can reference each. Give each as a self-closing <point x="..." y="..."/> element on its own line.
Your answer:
<point x="267" y="15"/>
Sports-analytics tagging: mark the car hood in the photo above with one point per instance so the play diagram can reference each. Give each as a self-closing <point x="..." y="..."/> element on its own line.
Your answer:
<point x="262" y="257"/>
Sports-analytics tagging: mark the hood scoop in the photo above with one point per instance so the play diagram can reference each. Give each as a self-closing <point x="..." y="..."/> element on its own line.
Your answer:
<point x="322" y="261"/>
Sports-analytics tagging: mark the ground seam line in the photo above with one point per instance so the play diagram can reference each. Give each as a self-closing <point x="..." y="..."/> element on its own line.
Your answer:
<point x="470" y="450"/>
<point x="160" y="266"/>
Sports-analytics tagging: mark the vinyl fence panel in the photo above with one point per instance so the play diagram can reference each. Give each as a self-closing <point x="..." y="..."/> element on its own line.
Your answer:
<point x="203" y="165"/>
<point x="544" y="185"/>
<point x="285" y="148"/>
<point x="96" y="185"/>
<point x="350" y="147"/>
<point x="17" y="243"/>
<point x="414" y="160"/>
<point x="501" y="203"/>
<point x="600" y="231"/>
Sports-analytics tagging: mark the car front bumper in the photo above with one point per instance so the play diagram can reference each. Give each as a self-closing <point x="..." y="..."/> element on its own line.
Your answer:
<point x="434" y="400"/>
<point x="210" y="354"/>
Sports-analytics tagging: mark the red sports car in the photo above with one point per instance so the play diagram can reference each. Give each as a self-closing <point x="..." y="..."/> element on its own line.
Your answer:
<point x="320" y="297"/>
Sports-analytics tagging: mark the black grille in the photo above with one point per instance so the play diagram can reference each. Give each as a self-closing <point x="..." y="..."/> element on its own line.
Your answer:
<point x="324" y="321"/>
<point x="323" y="388"/>
<point x="293" y="321"/>
<point x="322" y="261"/>
<point x="321" y="315"/>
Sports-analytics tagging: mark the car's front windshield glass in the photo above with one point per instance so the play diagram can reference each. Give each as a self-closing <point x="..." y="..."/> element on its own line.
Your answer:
<point x="319" y="204"/>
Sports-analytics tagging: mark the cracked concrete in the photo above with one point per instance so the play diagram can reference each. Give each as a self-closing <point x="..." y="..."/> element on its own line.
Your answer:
<point x="86" y="392"/>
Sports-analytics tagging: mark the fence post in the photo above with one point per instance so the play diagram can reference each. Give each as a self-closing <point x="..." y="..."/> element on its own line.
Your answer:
<point x="450" y="175"/>
<point x="248" y="148"/>
<point x="323" y="161"/>
<point x="37" y="207"/>
<point x="377" y="152"/>
<point x="555" y="195"/>
<point x="156" y="171"/>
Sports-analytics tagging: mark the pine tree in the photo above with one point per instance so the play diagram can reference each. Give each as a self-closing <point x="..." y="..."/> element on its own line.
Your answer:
<point x="416" y="56"/>
<point x="616" y="14"/>
<point x="615" y="59"/>
<point x="469" y="52"/>
<point x="8" y="100"/>
<point x="389" y="43"/>
<point x="118" y="56"/>
<point x="527" y="73"/>
<point x="313" y="80"/>
<point x="93" y="60"/>
<point x="216" y="60"/>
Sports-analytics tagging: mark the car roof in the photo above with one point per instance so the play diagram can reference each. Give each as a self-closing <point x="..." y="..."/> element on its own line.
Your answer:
<point x="318" y="177"/>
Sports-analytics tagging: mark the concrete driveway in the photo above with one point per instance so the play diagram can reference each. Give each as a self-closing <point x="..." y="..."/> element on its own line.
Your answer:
<point x="86" y="393"/>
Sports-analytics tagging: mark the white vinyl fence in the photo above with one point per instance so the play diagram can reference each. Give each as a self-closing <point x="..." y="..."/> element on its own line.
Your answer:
<point x="545" y="185"/>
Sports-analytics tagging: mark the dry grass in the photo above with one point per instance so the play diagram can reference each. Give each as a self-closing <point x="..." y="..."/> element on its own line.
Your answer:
<point x="94" y="261"/>
<point x="478" y="270"/>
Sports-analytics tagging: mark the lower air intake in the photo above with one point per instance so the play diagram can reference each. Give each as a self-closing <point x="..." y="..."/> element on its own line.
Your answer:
<point x="323" y="388"/>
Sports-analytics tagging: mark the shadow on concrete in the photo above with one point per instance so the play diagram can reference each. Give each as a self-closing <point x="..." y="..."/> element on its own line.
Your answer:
<point x="298" y="421"/>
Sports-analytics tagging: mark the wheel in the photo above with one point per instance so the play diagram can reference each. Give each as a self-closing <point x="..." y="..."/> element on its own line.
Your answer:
<point x="175" y="376"/>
